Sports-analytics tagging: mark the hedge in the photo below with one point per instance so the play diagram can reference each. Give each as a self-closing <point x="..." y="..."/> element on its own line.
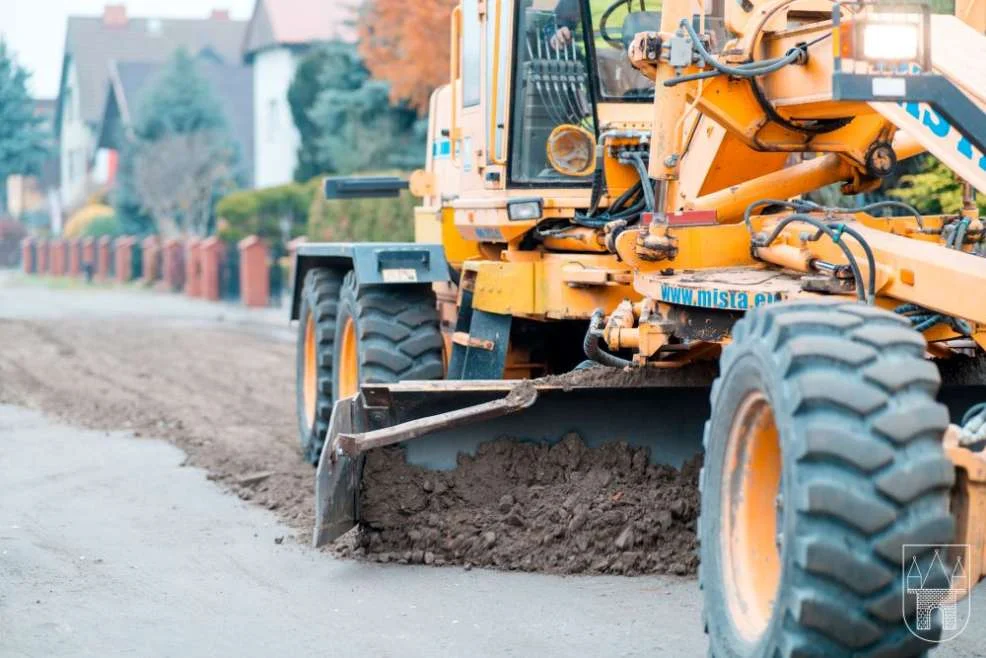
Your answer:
<point x="260" y="212"/>
<point x="362" y="220"/>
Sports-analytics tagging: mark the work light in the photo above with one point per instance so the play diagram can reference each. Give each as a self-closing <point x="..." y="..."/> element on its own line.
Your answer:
<point x="519" y="210"/>
<point x="884" y="34"/>
<point x="891" y="42"/>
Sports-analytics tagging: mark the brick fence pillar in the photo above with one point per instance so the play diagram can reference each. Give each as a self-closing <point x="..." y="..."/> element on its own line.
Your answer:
<point x="151" y="259"/>
<point x="74" y="261"/>
<point x="41" y="251"/>
<point x="27" y="256"/>
<point x="124" y="259"/>
<point x="104" y="248"/>
<point x="56" y="253"/>
<point x="254" y="272"/>
<point x="211" y="259"/>
<point x="173" y="265"/>
<point x="193" y="267"/>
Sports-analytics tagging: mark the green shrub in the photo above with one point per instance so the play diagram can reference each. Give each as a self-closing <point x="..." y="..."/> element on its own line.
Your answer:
<point x="261" y="212"/>
<point x="107" y="225"/>
<point x="933" y="189"/>
<point x="361" y="220"/>
<point x="80" y="221"/>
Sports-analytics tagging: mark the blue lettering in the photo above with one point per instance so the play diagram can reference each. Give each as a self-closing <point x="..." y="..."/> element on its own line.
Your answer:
<point x="938" y="126"/>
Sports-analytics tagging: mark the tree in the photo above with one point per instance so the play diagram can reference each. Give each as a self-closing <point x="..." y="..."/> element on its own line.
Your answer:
<point x="335" y="65"/>
<point x="23" y="140"/>
<point x="346" y="120"/>
<point x="932" y="189"/>
<point x="179" y="177"/>
<point x="360" y="131"/>
<point x="181" y="157"/>
<point x="407" y="45"/>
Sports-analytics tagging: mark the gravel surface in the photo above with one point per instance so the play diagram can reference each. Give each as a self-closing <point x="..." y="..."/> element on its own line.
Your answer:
<point x="216" y="381"/>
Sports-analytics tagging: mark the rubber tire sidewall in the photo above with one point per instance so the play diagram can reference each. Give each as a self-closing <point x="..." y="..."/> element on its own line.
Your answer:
<point x="747" y="374"/>
<point x="308" y="433"/>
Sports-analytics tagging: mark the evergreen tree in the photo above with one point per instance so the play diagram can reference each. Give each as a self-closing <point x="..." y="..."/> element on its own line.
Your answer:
<point x="332" y="66"/>
<point x="346" y="119"/>
<point x="23" y="140"/>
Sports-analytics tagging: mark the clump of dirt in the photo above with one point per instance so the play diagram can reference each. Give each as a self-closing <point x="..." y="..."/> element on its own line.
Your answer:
<point x="563" y="508"/>
<point x="700" y="374"/>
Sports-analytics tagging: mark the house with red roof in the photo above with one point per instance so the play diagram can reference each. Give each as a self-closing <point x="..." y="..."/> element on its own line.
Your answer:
<point x="278" y="34"/>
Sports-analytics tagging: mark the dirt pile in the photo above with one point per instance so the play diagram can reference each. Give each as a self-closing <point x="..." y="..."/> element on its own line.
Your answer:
<point x="564" y="508"/>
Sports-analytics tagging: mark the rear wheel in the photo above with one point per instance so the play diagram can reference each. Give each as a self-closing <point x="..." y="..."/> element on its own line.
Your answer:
<point x="314" y="364"/>
<point x="385" y="334"/>
<point x="823" y="459"/>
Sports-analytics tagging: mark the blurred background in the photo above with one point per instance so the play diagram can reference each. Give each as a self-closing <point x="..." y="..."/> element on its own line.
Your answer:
<point x="173" y="119"/>
<point x="169" y="118"/>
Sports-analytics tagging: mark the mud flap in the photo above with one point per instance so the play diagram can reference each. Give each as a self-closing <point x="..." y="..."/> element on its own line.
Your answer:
<point x="668" y="420"/>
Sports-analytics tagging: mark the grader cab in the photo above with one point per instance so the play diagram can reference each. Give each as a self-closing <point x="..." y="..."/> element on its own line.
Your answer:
<point x="614" y="218"/>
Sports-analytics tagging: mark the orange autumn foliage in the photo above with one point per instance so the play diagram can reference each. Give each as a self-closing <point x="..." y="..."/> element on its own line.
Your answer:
<point x="406" y="43"/>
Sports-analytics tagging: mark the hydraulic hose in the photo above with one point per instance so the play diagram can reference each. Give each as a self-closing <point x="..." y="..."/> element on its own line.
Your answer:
<point x="591" y="344"/>
<point x="752" y="69"/>
<point x="825" y="229"/>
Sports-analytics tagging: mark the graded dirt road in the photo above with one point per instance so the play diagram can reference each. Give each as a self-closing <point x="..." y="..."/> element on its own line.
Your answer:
<point x="109" y="547"/>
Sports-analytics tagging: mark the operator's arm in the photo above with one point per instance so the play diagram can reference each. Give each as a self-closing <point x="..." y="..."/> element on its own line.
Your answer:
<point x="567" y="19"/>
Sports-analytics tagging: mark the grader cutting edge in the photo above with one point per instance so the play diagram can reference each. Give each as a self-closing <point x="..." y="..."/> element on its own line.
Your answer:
<point x="635" y="198"/>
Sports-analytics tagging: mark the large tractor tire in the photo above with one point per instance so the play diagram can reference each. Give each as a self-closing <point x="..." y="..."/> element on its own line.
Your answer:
<point x="823" y="459"/>
<point x="349" y="335"/>
<point x="385" y="334"/>
<point x="313" y="367"/>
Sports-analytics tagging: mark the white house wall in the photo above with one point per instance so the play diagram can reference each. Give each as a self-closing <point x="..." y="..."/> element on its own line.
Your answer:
<point x="76" y="143"/>
<point x="276" y="139"/>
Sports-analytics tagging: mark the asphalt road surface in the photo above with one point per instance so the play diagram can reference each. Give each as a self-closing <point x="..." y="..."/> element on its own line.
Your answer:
<point x="116" y="543"/>
<point x="109" y="547"/>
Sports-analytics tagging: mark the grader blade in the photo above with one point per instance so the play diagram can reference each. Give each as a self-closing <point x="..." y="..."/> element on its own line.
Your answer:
<point x="436" y="421"/>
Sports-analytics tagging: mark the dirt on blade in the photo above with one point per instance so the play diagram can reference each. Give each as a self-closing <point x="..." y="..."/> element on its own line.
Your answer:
<point x="565" y="508"/>
<point x="223" y="394"/>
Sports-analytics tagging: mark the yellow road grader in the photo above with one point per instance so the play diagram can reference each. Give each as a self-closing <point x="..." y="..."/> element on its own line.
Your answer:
<point x="625" y="184"/>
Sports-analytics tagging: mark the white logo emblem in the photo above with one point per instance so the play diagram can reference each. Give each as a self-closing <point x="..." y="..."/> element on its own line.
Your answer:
<point x="936" y="589"/>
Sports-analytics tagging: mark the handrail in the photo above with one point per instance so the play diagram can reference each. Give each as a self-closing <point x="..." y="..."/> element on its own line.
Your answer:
<point x="456" y="71"/>
<point x="495" y="87"/>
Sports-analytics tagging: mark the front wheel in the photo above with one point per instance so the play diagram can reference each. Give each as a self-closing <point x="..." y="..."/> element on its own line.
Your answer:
<point x="824" y="466"/>
<point x="385" y="334"/>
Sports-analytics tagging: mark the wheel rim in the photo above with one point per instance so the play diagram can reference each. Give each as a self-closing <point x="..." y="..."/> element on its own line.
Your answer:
<point x="348" y="361"/>
<point x="311" y="370"/>
<point x="750" y="539"/>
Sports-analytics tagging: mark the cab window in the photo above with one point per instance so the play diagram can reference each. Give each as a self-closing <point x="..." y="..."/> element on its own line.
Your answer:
<point x="551" y="87"/>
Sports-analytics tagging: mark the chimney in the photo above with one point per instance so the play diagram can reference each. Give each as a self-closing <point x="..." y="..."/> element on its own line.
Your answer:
<point x="115" y="16"/>
<point x="219" y="15"/>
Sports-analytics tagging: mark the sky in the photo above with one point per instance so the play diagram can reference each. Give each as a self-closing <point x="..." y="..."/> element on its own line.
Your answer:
<point x="35" y="29"/>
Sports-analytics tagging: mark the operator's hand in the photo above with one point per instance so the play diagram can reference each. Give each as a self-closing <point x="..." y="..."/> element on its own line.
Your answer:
<point x="561" y="38"/>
